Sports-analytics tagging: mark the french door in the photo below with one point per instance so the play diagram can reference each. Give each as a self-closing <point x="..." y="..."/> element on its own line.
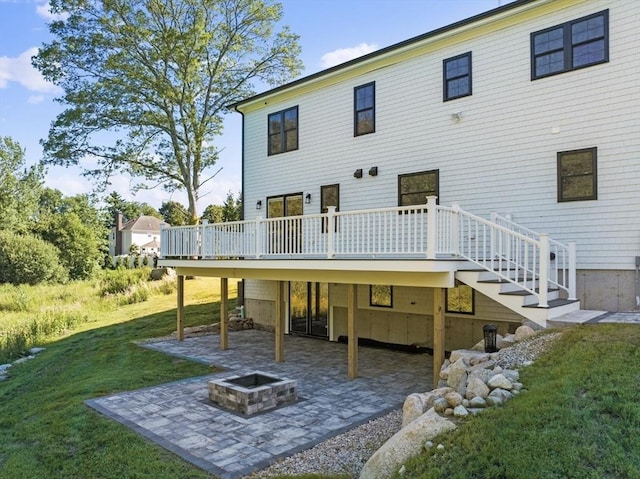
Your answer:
<point x="309" y="308"/>
<point x="284" y="238"/>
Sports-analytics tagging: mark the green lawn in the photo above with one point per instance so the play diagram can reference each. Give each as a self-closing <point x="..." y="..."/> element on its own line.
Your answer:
<point x="46" y="431"/>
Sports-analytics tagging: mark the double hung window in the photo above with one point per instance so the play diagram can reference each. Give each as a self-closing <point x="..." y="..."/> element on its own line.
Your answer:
<point x="283" y="131"/>
<point x="457" y="76"/>
<point x="364" y="109"/>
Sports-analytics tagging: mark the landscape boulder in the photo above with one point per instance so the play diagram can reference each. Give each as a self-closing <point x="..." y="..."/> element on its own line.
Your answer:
<point x="404" y="444"/>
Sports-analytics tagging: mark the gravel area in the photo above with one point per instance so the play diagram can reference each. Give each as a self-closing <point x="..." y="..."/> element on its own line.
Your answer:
<point x="348" y="452"/>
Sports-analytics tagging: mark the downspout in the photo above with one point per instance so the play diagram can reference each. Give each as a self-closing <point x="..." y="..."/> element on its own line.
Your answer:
<point x="235" y="107"/>
<point x="243" y="282"/>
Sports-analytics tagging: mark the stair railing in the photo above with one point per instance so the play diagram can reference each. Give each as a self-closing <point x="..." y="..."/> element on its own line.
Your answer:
<point x="562" y="258"/>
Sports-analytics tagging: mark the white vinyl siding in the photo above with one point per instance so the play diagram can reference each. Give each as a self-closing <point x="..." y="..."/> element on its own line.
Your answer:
<point x="501" y="155"/>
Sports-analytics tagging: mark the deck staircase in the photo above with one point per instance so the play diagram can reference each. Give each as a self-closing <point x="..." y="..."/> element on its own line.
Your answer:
<point x="518" y="299"/>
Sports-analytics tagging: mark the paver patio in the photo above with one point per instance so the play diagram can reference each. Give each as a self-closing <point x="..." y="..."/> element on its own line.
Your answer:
<point x="180" y="417"/>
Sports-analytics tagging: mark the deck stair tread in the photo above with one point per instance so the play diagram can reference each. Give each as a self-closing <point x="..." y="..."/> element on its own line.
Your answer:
<point x="523" y="292"/>
<point x="554" y="303"/>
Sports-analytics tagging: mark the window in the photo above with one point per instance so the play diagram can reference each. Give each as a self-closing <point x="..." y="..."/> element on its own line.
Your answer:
<point x="460" y="299"/>
<point x="364" y="109"/>
<point x="457" y="76"/>
<point x="577" y="175"/>
<point x="381" y="295"/>
<point x="329" y="196"/>
<point x="414" y="188"/>
<point x="283" y="131"/>
<point x="572" y="45"/>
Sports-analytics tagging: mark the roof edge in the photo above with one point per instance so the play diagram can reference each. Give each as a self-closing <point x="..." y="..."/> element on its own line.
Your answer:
<point x="383" y="51"/>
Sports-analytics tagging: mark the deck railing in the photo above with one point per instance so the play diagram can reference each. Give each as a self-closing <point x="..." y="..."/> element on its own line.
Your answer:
<point x="428" y="231"/>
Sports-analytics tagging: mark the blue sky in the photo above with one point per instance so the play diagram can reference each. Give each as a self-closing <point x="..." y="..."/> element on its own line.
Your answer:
<point x="331" y="31"/>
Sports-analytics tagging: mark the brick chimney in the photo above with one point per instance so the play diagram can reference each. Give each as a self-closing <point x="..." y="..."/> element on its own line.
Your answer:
<point x="118" y="248"/>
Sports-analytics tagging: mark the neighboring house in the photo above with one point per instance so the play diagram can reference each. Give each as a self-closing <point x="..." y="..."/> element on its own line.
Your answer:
<point x="530" y="111"/>
<point x="143" y="232"/>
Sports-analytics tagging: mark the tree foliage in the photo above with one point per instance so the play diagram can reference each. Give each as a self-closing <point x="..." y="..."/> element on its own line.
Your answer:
<point x="19" y="187"/>
<point x="162" y="72"/>
<point x="129" y="209"/>
<point x="174" y="213"/>
<point x="27" y="259"/>
<point x="230" y="210"/>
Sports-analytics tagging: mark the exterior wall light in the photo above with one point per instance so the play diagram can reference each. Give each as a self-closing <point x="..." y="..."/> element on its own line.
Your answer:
<point x="373" y="171"/>
<point x="307" y="199"/>
<point x="259" y="204"/>
<point x="357" y="173"/>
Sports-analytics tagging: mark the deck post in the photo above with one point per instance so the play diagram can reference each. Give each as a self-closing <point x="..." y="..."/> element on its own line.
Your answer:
<point x="330" y="230"/>
<point x="543" y="280"/>
<point x="432" y="226"/>
<point x="438" y="333"/>
<point x="352" y="332"/>
<point x="180" y="309"/>
<point x="224" y="314"/>
<point x="279" y="323"/>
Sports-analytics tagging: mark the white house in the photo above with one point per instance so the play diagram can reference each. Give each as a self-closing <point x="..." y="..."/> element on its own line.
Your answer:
<point x="143" y="231"/>
<point x="523" y="121"/>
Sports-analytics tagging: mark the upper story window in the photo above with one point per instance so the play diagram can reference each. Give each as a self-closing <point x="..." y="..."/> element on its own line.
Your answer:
<point x="457" y="76"/>
<point x="414" y="188"/>
<point x="577" y="175"/>
<point x="572" y="45"/>
<point x="283" y="131"/>
<point x="364" y="109"/>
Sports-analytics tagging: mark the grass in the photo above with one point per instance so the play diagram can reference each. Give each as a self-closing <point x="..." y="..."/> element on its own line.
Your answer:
<point x="579" y="419"/>
<point x="45" y="428"/>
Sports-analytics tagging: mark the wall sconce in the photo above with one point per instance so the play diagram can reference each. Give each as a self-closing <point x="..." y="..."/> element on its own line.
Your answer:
<point x="307" y="199"/>
<point x="373" y="171"/>
<point x="457" y="116"/>
<point x="357" y="173"/>
<point x="259" y="204"/>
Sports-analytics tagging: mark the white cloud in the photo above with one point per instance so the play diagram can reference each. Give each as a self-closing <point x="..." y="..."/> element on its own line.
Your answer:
<point x="20" y="70"/>
<point x="35" y="99"/>
<point x="44" y="10"/>
<point x="345" y="54"/>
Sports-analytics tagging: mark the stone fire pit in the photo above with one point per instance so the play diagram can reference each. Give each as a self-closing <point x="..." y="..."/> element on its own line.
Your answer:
<point x="252" y="393"/>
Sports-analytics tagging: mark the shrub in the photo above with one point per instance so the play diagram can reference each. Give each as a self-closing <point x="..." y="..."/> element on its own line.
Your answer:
<point x="120" y="281"/>
<point x="26" y="259"/>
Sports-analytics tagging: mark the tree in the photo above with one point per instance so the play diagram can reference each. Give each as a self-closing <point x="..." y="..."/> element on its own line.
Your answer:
<point x="232" y="208"/>
<point x="76" y="227"/>
<point x="129" y="209"/>
<point x="174" y="213"/>
<point x="163" y="73"/>
<point x="19" y="187"/>
<point x="213" y="214"/>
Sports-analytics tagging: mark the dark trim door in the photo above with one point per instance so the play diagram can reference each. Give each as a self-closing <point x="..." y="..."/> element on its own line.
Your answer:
<point x="309" y="308"/>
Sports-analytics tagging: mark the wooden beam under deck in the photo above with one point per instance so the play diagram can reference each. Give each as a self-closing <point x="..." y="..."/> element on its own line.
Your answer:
<point x="438" y="333"/>
<point x="180" y="309"/>
<point x="352" y="332"/>
<point x="224" y="314"/>
<point x="279" y="323"/>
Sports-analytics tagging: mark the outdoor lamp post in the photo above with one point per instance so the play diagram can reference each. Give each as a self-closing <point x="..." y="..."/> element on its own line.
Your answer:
<point x="490" y="338"/>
